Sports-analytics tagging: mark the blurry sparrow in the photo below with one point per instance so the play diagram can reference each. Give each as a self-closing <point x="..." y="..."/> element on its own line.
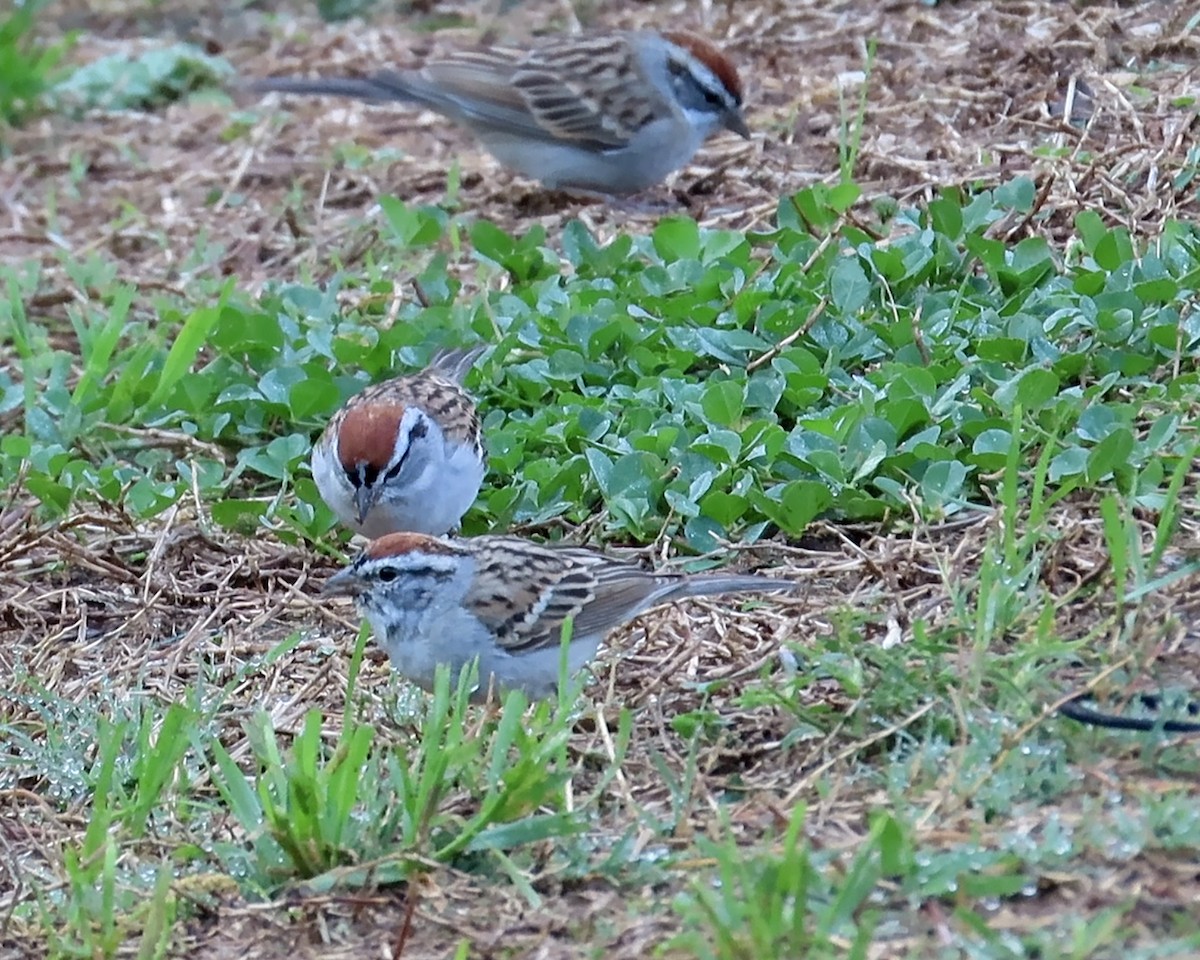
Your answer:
<point x="405" y="454"/>
<point x="610" y="113"/>
<point x="504" y="600"/>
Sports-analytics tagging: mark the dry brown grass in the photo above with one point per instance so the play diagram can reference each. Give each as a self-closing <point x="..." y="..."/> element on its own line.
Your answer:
<point x="961" y="94"/>
<point x="96" y="608"/>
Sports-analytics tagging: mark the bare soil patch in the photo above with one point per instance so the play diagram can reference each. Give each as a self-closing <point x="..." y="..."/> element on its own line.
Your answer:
<point x="1081" y="97"/>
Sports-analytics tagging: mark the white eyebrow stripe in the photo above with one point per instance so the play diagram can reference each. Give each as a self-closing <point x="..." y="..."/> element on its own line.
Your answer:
<point x="417" y="560"/>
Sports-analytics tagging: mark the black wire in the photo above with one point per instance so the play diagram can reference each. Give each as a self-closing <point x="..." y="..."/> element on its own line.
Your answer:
<point x="1077" y="711"/>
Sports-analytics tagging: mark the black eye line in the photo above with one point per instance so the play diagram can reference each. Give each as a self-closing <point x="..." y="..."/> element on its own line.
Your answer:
<point x="389" y="574"/>
<point x="419" y="430"/>
<point x="685" y="75"/>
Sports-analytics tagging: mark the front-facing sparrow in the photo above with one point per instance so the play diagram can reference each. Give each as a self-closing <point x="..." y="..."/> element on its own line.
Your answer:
<point x="405" y="454"/>
<point x="607" y="113"/>
<point x="504" y="600"/>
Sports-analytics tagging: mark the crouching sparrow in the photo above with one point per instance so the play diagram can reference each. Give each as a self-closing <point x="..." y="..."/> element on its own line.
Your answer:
<point x="503" y="599"/>
<point x="405" y="454"/>
<point x="607" y="113"/>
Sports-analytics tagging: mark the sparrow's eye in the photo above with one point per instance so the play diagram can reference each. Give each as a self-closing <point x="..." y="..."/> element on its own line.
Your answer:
<point x="388" y="574"/>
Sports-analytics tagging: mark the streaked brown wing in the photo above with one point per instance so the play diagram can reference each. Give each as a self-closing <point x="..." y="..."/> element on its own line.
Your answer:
<point x="580" y="90"/>
<point x="524" y="592"/>
<point x="623" y="590"/>
<point x="479" y="86"/>
<point x="575" y="90"/>
<point x="483" y="75"/>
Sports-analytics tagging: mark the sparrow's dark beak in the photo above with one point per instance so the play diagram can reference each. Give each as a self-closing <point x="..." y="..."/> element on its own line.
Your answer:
<point x="737" y="123"/>
<point x="364" y="499"/>
<point x="344" y="583"/>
